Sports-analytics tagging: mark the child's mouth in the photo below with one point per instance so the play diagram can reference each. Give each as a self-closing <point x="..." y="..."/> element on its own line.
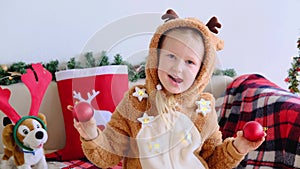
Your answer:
<point x="176" y="79"/>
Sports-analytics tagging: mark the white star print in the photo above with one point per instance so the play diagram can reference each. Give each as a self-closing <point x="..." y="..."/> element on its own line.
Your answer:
<point x="140" y="93"/>
<point x="145" y="119"/>
<point x="154" y="147"/>
<point x="186" y="137"/>
<point x="203" y="107"/>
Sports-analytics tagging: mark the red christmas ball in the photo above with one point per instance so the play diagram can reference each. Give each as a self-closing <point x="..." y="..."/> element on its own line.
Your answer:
<point x="287" y="79"/>
<point x="83" y="111"/>
<point x="253" y="131"/>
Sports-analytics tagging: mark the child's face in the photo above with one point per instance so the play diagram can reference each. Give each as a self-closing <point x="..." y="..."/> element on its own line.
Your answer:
<point x="179" y="61"/>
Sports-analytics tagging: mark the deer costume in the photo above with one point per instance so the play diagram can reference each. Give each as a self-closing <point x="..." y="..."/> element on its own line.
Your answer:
<point x="140" y="136"/>
<point x="24" y="139"/>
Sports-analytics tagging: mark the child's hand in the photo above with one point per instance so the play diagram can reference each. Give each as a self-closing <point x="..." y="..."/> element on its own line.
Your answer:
<point x="244" y="146"/>
<point x="87" y="130"/>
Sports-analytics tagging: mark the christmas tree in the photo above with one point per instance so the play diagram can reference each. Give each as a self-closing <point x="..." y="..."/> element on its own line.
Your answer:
<point x="293" y="78"/>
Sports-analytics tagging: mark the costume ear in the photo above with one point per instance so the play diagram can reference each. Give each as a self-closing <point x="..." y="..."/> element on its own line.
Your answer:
<point x="7" y="137"/>
<point x="43" y="118"/>
<point x="6" y="121"/>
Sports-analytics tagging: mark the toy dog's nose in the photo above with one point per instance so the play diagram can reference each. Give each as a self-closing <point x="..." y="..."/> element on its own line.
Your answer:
<point x="39" y="135"/>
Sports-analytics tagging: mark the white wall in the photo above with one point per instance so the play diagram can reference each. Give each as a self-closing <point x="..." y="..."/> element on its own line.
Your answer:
<point x="260" y="35"/>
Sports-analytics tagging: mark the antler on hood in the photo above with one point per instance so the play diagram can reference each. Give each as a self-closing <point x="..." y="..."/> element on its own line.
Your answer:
<point x="170" y="14"/>
<point x="213" y="23"/>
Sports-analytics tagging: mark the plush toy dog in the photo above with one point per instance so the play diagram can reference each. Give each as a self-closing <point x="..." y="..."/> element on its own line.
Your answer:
<point x="23" y="137"/>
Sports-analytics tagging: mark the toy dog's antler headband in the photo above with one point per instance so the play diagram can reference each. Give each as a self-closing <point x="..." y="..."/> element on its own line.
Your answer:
<point x="212" y="24"/>
<point x="37" y="84"/>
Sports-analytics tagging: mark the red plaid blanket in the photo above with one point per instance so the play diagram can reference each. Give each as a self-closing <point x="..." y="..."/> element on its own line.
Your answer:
<point x="75" y="164"/>
<point x="54" y="161"/>
<point x="253" y="97"/>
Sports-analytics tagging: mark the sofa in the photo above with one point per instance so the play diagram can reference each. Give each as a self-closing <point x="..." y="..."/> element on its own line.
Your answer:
<point x="51" y="107"/>
<point x="228" y="93"/>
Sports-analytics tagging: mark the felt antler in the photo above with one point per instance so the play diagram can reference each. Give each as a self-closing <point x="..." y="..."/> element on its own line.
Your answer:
<point x="37" y="87"/>
<point x="6" y="108"/>
<point x="212" y="24"/>
<point x="169" y="15"/>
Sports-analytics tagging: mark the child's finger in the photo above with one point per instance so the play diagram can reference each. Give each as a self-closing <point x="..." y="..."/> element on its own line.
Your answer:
<point x="239" y="133"/>
<point x="76" y="124"/>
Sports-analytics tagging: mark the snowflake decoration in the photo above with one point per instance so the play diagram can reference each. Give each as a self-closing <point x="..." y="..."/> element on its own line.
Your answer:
<point x="140" y="93"/>
<point x="203" y="107"/>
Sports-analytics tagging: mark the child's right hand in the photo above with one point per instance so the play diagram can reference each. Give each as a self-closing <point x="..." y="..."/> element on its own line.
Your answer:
<point x="87" y="130"/>
<point x="244" y="146"/>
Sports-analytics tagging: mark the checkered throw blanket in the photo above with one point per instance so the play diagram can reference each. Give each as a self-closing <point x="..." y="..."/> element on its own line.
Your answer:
<point x="253" y="97"/>
<point x="55" y="162"/>
<point x="75" y="164"/>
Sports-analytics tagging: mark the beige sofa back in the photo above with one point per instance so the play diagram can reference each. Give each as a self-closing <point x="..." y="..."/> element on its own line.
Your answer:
<point x="51" y="107"/>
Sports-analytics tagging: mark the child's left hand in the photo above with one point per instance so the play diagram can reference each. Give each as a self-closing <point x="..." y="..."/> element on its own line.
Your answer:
<point x="244" y="146"/>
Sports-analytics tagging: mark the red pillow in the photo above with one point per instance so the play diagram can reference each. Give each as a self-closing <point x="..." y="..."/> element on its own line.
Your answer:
<point x="103" y="87"/>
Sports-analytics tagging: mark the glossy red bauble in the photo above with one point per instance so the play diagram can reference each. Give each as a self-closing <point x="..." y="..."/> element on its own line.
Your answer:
<point x="83" y="111"/>
<point x="253" y="131"/>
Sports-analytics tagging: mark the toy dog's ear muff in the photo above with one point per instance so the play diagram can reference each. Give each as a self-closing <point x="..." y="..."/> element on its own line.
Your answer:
<point x="17" y="126"/>
<point x="6" y="121"/>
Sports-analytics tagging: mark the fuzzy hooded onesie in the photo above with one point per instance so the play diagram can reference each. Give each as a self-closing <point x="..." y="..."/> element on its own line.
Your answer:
<point x="186" y="138"/>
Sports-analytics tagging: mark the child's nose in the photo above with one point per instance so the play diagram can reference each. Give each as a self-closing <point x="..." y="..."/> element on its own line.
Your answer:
<point x="178" y="66"/>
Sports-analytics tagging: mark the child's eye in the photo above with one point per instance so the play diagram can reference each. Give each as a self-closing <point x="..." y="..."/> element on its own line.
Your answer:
<point x="190" y="62"/>
<point x="171" y="56"/>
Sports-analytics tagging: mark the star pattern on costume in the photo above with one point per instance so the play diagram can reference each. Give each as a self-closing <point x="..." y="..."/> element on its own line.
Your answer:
<point x="145" y="119"/>
<point x="186" y="137"/>
<point x="154" y="147"/>
<point x="140" y="93"/>
<point x="203" y="106"/>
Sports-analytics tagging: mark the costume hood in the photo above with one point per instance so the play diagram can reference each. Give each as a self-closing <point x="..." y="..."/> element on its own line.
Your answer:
<point x="211" y="44"/>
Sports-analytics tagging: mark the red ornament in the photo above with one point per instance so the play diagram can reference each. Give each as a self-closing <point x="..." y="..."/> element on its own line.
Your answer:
<point x="253" y="131"/>
<point x="83" y="111"/>
<point x="287" y="79"/>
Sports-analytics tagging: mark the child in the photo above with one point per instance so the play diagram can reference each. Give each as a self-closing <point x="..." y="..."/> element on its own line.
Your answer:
<point x="169" y="122"/>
